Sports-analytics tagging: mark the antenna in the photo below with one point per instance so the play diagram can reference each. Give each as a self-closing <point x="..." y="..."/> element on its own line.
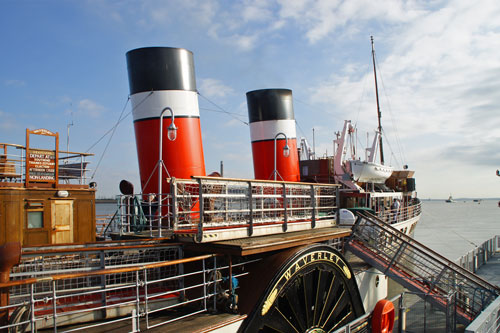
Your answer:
<point x="314" y="145"/>
<point x="379" y="114"/>
<point x="67" y="133"/>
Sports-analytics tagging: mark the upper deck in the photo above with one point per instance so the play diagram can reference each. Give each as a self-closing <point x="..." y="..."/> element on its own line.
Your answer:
<point x="22" y="167"/>
<point x="45" y="197"/>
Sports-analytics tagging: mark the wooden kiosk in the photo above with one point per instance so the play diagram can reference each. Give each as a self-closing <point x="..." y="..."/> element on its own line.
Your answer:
<point x="43" y="196"/>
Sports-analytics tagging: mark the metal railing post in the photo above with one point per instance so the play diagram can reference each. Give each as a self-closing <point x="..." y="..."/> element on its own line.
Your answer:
<point x="32" y="308"/>
<point x="200" y="204"/>
<point x="425" y="313"/>
<point x="250" y="208"/>
<point x="150" y="218"/>
<point x="204" y="286"/>
<point x="102" y="264"/>
<point x="313" y="207"/>
<point x="215" y="284"/>
<point x="54" y="304"/>
<point x="337" y="203"/>
<point x="173" y="192"/>
<point x="134" y="323"/>
<point x="146" y="309"/>
<point x="137" y="303"/>
<point x="285" y="212"/>
<point x="402" y="314"/>
<point x="226" y="204"/>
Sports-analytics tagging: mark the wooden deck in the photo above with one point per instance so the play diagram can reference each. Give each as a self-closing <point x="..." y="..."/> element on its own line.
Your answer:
<point x="255" y="245"/>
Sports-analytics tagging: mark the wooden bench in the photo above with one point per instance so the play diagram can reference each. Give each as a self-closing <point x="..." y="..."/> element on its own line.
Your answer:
<point x="8" y="169"/>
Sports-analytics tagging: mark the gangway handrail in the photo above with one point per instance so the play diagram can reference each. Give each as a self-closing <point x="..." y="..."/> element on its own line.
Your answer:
<point x="419" y="268"/>
<point x="445" y="261"/>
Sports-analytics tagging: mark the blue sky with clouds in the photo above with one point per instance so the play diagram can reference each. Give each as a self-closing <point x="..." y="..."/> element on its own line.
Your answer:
<point x="438" y="60"/>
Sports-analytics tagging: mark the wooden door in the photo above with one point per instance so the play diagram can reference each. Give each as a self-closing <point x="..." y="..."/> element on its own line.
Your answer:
<point x="62" y="221"/>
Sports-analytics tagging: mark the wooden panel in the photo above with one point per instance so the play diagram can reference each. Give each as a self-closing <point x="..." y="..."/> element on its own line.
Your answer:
<point x="84" y="222"/>
<point x="11" y="222"/>
<point x="36" y="238"/>
<point x="62" y="221"/>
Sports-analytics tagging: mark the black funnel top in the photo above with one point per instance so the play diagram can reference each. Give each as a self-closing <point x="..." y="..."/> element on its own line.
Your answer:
<point x="270" y="104"/>
<point x="160" y="68"/>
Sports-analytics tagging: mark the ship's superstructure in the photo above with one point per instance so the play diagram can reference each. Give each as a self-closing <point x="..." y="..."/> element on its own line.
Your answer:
<point x="192" y="252"/>
<point x="45" y="197"/>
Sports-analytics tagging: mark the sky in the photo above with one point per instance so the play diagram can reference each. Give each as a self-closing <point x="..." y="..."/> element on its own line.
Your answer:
<point x="63" y="62"/>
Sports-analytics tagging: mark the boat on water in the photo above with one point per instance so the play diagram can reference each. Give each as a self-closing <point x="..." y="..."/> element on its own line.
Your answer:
<point x="192" y="252"/>
<point x="450" y="199"/>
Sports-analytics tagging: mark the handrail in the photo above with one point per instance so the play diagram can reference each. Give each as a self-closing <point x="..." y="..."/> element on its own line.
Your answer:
<point x="445" y="261"/>
<point x="12" y="145"/>
<point x="93" y="249"/>
<point x="259" y="181"/>
<point x="206" y="208"/>
<point x="418" y="267"/>
<point x="99" y="272"/>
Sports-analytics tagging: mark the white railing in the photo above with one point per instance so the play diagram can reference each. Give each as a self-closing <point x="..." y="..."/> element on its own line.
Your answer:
<point x="477" y="257"/>
<point x="208" y="203"/>
<point x="404" y="213"/>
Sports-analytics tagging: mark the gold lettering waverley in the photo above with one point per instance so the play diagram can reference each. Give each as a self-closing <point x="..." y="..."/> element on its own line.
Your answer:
<point x="303" y="261"/>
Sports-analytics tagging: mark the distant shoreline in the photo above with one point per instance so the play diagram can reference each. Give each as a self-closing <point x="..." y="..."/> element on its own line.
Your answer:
<point x="105" y="200"/>
<point x="461" y="199"/>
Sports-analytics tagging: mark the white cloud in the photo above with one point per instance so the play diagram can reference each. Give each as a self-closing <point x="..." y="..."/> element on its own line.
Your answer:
<point x="324" y="17"/>
<point x="442" y="75"/>
<point x="90" y="108"/>
<point x="214" y="88"/>
<point x="256" y="10"/>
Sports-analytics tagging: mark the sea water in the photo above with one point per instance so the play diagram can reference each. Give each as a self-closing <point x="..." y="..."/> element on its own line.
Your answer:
<point x="451" y="229"/>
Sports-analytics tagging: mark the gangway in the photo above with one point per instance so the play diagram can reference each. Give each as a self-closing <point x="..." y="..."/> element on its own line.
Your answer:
<point x="420" y="269"/>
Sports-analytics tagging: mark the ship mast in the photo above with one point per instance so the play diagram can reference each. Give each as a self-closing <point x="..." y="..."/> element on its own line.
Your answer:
<point x="379" y="114"/>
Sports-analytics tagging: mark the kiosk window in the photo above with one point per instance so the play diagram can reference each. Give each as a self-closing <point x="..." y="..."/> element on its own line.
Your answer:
<point x="34" y="215"/>
<point x="35" y="219"/>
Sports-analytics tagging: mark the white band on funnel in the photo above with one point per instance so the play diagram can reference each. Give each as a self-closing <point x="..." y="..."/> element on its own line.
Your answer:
<point x="267" y="130"/>
<point x="147" y="105"/>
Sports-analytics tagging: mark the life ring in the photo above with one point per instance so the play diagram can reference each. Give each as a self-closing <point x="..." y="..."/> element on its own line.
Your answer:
<point x="383" y="317"/>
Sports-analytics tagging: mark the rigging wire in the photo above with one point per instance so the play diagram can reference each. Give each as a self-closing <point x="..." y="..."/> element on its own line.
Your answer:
<point x="113" y="130"/>
<point x="361" y="100"/>
<point x="300" y="129"/>
<point x="231" y="114"/>
<point x="393" y="120"/>
<point x="297" y="123"/>
<point x="225" y="112"/>
<point x="119" y="121"/>
<point x="390" y="147"/>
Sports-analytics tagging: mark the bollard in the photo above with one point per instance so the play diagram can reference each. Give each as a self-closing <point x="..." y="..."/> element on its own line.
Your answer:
<point x="402" y="314"/>
<point x="10" y="255"/>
